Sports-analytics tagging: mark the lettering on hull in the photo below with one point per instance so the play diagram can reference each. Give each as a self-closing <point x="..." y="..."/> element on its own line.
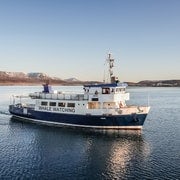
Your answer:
<point x="56" y="109"/>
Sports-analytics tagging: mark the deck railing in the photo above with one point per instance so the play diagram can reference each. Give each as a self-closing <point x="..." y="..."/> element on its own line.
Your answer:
<point x="59" y="96"/>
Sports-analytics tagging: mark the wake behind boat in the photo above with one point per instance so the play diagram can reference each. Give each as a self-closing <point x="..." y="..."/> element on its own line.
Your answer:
<point x="100" y="106"/>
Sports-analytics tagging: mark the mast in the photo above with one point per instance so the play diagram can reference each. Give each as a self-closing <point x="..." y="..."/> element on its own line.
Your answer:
<point x="110" y="61"/>
<point x="111" y="65"/>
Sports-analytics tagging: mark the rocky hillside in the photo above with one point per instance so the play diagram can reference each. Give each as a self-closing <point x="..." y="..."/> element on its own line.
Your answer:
<point x="13" y="78"/>
<point x="33" y="78"/>
<point x="36" y="78"/>
<point x="159" y="83"/>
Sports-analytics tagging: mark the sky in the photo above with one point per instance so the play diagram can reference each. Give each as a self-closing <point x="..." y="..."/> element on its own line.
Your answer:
<point x="71" y="38"/>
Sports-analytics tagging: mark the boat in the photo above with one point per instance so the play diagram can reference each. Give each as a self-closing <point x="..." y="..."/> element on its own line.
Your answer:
<point x="98" y="106"/>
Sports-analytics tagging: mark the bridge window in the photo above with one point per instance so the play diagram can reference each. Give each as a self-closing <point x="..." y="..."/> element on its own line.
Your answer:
<point x="105" y="90"/>
<point x="61" y="104"/>
<point x="120" y="89"/>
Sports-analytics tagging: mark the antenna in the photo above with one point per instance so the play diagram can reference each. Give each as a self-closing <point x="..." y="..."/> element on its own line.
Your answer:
<point x="110" y="61"/>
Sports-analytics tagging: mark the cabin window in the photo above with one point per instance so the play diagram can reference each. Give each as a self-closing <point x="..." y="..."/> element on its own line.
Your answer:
<point x="93" y="105"/>
<point x="44" y="103"/>
<point x="61" y="104"/>
<point x="105" y="90"/>
<point x="95" y="99"/>
<point x="52" y="103"/>
<point x="109" y="105"/>
<point x="71" y="105"/>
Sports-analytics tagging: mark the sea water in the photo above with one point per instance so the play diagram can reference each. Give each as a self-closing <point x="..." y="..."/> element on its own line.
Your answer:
<point x="31" y="151"/>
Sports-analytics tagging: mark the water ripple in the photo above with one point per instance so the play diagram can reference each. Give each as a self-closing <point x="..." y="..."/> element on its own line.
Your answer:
<point x="30" y="151"/>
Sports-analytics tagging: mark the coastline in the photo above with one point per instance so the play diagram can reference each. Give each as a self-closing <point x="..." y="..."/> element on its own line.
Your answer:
<point x="42" y="82"/>
<point x="81" y="83"/>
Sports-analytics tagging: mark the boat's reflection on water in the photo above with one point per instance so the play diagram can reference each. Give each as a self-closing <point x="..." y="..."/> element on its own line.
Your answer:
<point x="112" y="154"/>
<point x="117" y="153"/>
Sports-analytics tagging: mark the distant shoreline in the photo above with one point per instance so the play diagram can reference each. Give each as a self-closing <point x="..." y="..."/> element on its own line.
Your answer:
<point x="36" y="79"/>
<point x="35" y="84"/>
<point x="171" y="83"/>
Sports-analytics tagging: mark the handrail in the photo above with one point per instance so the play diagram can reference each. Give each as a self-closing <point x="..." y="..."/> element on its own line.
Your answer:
<point x="59" y="96"/>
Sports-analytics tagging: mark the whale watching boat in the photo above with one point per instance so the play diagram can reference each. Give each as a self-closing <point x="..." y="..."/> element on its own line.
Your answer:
<point x="100" y="106"/>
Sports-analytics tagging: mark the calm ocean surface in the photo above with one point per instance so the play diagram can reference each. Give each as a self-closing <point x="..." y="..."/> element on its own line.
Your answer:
<point x="30" y="151"/>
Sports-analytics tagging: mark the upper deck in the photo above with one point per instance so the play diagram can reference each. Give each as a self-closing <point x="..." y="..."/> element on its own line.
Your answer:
<point x="107" y="85"/>
<point x="96" y="92"/>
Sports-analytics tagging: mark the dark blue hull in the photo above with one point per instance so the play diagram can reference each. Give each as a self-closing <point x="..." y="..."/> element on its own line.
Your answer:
<point x="131" y="121"/>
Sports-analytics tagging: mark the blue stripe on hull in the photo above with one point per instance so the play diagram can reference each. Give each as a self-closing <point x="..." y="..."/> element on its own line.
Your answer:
<point x="83" y="120"/>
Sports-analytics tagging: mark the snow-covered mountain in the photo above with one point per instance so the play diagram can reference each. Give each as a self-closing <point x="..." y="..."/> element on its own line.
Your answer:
<point x="13" y="74"/>
<point x="33" y="78"/>
<point x="37" y="75"/>
<point x="71" y="80"/>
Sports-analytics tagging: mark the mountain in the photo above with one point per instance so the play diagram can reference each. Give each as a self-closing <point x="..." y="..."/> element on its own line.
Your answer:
<point x="37" y="75"/>
<point x="15" y="78"/>
<point x="32" y="78"/>
<point x="4" y="74"/>
<point x="156" y="83"/>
